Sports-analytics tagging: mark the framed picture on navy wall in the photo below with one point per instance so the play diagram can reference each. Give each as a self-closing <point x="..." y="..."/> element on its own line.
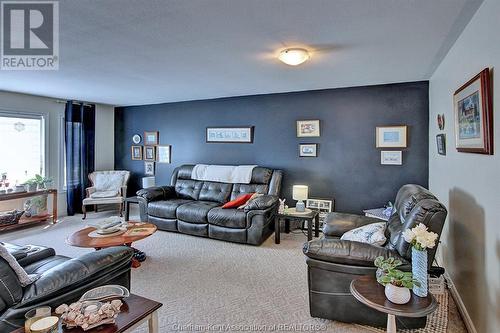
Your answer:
<point x="473" y="110"/>
<point x="308" y="150"/>
<point x="392" y="136"/>
<point x="229" y="134"/>
<point x="308" y="128"/>
<point x="151" y="138"/>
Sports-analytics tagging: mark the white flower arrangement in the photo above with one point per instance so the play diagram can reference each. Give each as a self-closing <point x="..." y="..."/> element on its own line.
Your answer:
<point x="420" y="238"/>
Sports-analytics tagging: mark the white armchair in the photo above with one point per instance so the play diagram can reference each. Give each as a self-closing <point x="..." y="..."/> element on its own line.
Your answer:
<point x="108" y="187"/>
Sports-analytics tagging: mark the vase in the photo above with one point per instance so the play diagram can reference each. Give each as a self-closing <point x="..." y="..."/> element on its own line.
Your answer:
<point x="419" y="271"/>
<point x="397" y="295"/>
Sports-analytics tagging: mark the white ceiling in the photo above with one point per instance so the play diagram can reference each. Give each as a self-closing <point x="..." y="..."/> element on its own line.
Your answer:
<point x="129" y="52"/>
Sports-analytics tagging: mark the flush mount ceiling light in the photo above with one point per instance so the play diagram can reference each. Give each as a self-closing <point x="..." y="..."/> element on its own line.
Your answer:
<point x="294" y="56"/>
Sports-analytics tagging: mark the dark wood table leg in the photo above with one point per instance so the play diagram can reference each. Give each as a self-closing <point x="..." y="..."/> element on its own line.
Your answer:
<point x="309" y="229"/>
<point x="316" y="226"/>
<point x="277" y="230"/>
<point x="54" y="207"/>
<point x="127" y="210"/>
<point x="287" y="226"/>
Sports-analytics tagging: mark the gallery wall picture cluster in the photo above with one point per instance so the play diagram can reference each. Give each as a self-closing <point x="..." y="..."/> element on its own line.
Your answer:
<point x="150" y="152"/>
<point x="308" y="129"/>
<point x="390" y="137"/>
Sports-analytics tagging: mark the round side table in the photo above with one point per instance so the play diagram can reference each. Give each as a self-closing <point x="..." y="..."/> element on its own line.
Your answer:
<point x="368" y="291"/>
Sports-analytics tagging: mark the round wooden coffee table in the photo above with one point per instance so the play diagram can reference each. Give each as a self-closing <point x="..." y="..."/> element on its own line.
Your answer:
<point x="135" y="232"/>
<point x="368" y="291"/>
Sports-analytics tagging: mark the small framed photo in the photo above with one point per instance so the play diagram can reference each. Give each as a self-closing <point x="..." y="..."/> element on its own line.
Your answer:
<point x="151" y="138"/>
<point x="308" y="150"/>
<point x="150" y="153"/>
<point x="391" y="157"/>
<point x="441" y="144"/>
<point x="163" y="154"/>
<point x="149" y="168"/>
<point x="473" y="106"/>
<point x="136" y="152"/>
<point x="308" y="128"/>
<point x="392" y="136"/>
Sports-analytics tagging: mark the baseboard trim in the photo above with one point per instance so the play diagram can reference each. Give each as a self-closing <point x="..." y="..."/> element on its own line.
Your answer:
<point x="460" y="304"/>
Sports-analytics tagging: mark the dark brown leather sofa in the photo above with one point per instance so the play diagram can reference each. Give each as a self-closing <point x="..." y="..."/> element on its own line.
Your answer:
<point x="334" y="263"/>
<point x="194" y="207"/>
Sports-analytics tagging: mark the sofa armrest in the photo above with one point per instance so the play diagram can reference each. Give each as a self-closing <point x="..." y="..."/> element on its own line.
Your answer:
<point x="347" y="252"/>
<point x="76" y="271"/>
<point x="337" y="224"/>
<point x="157" y="193"/>
<point x="262" y="203"/>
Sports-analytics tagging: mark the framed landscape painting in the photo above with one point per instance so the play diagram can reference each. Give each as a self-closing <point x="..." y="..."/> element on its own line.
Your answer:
<point x="474" y="115"/>
<point x="392" y="136"/>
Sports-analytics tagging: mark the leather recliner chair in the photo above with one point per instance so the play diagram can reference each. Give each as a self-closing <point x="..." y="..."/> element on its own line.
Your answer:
<point x="62" y="279"/>
<point x="334" y="263"/>
<point x="194" y="207"/>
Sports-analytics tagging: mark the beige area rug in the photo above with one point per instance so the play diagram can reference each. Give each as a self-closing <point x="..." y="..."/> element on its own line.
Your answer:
<point x="209" y="285"/>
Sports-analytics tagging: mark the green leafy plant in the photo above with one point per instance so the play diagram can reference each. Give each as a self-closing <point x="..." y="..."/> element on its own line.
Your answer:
<point x="387" y="264"/>
<point x="400" y="279"/>
<point x="39" y="180"/>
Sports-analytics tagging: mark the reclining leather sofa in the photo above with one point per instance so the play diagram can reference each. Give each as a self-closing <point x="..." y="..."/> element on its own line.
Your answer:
<point x="334" y="263"/>
<point x="62" y="279"/>
<point x="194" y="207"/>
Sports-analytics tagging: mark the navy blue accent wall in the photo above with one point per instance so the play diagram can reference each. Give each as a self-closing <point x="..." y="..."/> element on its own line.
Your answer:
<point x="348" y="167"/>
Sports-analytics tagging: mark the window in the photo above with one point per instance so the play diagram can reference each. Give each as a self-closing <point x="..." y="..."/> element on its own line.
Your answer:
<point x="22" y="146"/>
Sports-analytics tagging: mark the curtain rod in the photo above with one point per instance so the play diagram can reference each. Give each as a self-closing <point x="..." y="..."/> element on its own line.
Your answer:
<point x="74" y="102"/>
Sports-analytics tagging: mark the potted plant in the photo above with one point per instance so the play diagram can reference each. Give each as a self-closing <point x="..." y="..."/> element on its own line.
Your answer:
<point x="398" y="285"/>
<point x="42" y="182"/>
<point x="30" y="185"/>
<point x="384" y="266"/>
<point x="420" y="239"/>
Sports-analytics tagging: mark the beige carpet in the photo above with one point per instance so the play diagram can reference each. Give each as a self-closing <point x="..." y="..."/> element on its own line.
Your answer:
<point x="208" y="285"/>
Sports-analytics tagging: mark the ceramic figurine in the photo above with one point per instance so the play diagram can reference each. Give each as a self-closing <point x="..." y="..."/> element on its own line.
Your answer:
<point x="281" y="208"/>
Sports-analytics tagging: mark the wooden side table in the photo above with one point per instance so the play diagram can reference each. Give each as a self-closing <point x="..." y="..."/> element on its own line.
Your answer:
<point x="368" y="291"/>
<point x="312" y="215"/>
<point x="135" y="311"/>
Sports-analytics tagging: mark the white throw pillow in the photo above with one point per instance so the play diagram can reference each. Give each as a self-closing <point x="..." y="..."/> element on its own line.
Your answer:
<point x="108" y="182"/>
<point x="24" y="278"/>
<point x="371" y="233"/>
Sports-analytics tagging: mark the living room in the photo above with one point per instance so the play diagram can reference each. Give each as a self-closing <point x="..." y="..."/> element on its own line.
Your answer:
<point x="249" y="166"/>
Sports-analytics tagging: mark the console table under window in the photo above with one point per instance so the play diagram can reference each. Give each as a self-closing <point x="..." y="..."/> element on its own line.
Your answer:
<point x="26" y="221"/>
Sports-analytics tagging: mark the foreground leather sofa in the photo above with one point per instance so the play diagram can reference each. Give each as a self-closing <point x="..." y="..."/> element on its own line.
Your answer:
<point x="62" y="279"/>
<point x="334" y="263"/>
<point x="194" y="207"/>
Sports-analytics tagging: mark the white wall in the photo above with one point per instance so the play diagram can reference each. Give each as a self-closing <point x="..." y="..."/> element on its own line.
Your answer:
<point x="469" y="184"/>
<point x="54" y="111"/>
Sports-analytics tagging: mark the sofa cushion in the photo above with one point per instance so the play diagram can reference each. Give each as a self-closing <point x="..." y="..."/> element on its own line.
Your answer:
<point x="239" y="189"/>
<point x="261" y="175"/>
<point x="166" y="208"/>
<point x="229" y="218"/>
<point x="217" y="192"/>
<point x="196" y="211"/>
<point x="188" y="189"/>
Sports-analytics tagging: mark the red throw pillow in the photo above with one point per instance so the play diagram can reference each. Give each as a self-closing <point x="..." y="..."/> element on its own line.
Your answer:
<point x="238" y="201"/>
